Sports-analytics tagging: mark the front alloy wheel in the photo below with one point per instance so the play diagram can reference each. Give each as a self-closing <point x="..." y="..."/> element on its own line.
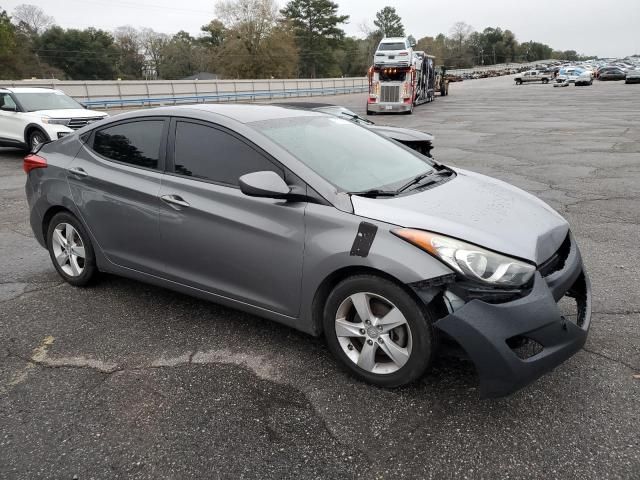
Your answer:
<point x="378" y="330"/>
<point x="36" y="139"/>
<point x="373" y="333"/>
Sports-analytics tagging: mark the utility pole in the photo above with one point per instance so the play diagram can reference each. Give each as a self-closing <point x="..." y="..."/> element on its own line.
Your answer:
<point x="494" y="54"/>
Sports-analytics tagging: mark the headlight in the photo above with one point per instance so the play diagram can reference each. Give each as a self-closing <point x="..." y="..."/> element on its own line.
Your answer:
<point x="469" y="260"/>
<point x="56" y="121"/>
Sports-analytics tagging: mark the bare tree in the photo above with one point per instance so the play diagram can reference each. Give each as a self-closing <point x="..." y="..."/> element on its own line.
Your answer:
<point x="154" y="45"/>
<point x="460" y="33"/>
<point x="32" y="18"/>
<point x="253" y="19"/>
<point x="130" y="61"/>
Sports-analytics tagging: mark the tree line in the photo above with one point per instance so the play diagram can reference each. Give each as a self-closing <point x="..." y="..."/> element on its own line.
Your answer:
<point x="247" y="39"/>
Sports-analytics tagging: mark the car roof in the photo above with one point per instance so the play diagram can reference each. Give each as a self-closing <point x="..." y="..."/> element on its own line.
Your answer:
<point x="307" y="105"/>
<point x="243" y="113"/>
<point x="28" y="89"/>
<point x="392" y="39"/>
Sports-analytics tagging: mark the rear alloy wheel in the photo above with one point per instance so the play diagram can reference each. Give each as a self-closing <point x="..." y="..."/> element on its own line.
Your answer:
<point x="70" y="250"/>
<point x="36" y="139"/>
<point x="378" y="331"/>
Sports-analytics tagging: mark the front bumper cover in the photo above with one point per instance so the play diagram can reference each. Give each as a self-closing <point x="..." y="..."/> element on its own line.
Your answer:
<point x="389" y="107"/>
<point x="484" y="329"/>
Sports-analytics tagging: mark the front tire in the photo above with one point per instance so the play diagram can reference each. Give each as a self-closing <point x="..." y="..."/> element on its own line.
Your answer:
<point x="378" y="331"/>
<point x="36" y="139"/>
<point x="70" y="250"/>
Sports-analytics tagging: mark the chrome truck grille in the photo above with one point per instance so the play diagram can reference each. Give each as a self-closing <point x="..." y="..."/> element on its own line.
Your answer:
<point x="76" y="123"/>
<point x="390" y="93"/>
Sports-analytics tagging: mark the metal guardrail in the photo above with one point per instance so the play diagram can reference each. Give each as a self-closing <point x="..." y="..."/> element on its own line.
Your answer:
<point x="225" y="97"/>
<point x="106" y="94"/>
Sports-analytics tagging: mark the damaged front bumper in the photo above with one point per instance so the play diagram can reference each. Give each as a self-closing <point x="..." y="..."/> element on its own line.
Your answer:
<point x="512" y="343"/>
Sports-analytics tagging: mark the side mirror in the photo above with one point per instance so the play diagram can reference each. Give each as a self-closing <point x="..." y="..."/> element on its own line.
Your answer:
<point x="264" y="184"/>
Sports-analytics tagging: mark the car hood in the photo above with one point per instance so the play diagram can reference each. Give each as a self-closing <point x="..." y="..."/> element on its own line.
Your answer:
<point x="70" y="113"/>
<point x="401" y="134"/>
<point x="476" y="209"/>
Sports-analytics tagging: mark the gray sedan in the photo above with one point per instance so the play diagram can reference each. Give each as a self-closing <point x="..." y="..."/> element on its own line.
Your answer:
<point x="315" y="222"/>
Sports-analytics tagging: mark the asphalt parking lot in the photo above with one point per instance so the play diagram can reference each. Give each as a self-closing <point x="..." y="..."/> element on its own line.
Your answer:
<point x="125" y="380"/>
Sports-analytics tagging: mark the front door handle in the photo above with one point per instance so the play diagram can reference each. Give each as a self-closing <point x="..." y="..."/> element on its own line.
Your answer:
<point x="175" y="200"/>
<point x="78" y="171"/>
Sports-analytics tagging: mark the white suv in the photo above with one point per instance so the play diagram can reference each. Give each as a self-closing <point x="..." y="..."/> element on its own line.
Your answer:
<point x="397" y="51"/>
<point x="30" y="117"/>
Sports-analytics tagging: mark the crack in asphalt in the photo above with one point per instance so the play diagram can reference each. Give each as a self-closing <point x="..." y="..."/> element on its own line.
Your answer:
<point x="27" y="290"/>
<point x="203" y="359"/>
<point x="616" y="312"/>
<point x="614" y="360"/>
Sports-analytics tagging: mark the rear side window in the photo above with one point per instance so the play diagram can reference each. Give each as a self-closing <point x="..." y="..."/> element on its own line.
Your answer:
<point x="135" y="143"/>
<point x="212" y="154"/>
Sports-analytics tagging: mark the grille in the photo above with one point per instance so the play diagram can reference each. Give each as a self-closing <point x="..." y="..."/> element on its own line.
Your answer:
<point x="76" y="123"/>
<point x="390" y="93"/>
<point x="557" y="260"/>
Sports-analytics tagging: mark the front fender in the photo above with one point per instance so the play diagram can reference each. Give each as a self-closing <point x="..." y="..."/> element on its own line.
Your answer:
<point x="329" y="239"/>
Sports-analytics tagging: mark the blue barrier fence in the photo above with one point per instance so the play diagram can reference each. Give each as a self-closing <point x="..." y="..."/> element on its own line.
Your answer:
<point x="224" y="97"/>
<point x="136" y="94"/>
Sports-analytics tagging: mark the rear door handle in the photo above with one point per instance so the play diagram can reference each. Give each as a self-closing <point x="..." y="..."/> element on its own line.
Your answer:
<point x="78" y="171"/>
<point x="175" y="200"/>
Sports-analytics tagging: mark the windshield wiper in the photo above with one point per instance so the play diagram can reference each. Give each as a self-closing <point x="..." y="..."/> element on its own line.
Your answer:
<point x="422" y="176"/>
<point x="415" y="180"/>
<point x="375" y="192"/>
<point x="357" y="117"/>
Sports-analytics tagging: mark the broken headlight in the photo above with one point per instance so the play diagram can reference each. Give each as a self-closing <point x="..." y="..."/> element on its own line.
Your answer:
<point x="472" y="261"/>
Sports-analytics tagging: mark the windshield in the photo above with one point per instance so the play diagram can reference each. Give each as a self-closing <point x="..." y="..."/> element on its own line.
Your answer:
<point x="392" y="46"/>
<point x="35" y="101"/>
<point x="350" y="157"/>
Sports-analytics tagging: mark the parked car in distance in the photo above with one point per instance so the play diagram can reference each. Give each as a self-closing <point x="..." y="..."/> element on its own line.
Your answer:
<point x="611" y="73"/>
<point x="633" y="76"/>
<point x="532" y="76"/>
<point x="396" y="51"/>
<point x="575" y="75"/>
<point x="327" y="227"/>
<point x="32" y="116"/>
<point x="421" y="142"/>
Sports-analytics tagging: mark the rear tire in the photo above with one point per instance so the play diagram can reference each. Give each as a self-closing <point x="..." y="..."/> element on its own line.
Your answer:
<point x="393" y="346"/>
<point x="518" y="82"/>
<point x="70" y="250"/>
<point x="545" y="81"/>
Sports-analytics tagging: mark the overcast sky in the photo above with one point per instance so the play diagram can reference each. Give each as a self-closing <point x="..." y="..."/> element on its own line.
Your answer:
<point x="598" y="27"/>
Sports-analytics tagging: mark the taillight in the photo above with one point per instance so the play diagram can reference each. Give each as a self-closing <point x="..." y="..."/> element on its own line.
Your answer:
<point x="33" y="161"/>
<point x="403" y="54"/>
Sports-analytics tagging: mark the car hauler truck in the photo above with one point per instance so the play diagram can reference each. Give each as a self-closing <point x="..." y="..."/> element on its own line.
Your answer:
<point x="398" y="88"/>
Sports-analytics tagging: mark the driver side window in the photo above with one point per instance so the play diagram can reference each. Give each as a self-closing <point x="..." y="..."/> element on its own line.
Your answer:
<point x="212" y="154"/>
